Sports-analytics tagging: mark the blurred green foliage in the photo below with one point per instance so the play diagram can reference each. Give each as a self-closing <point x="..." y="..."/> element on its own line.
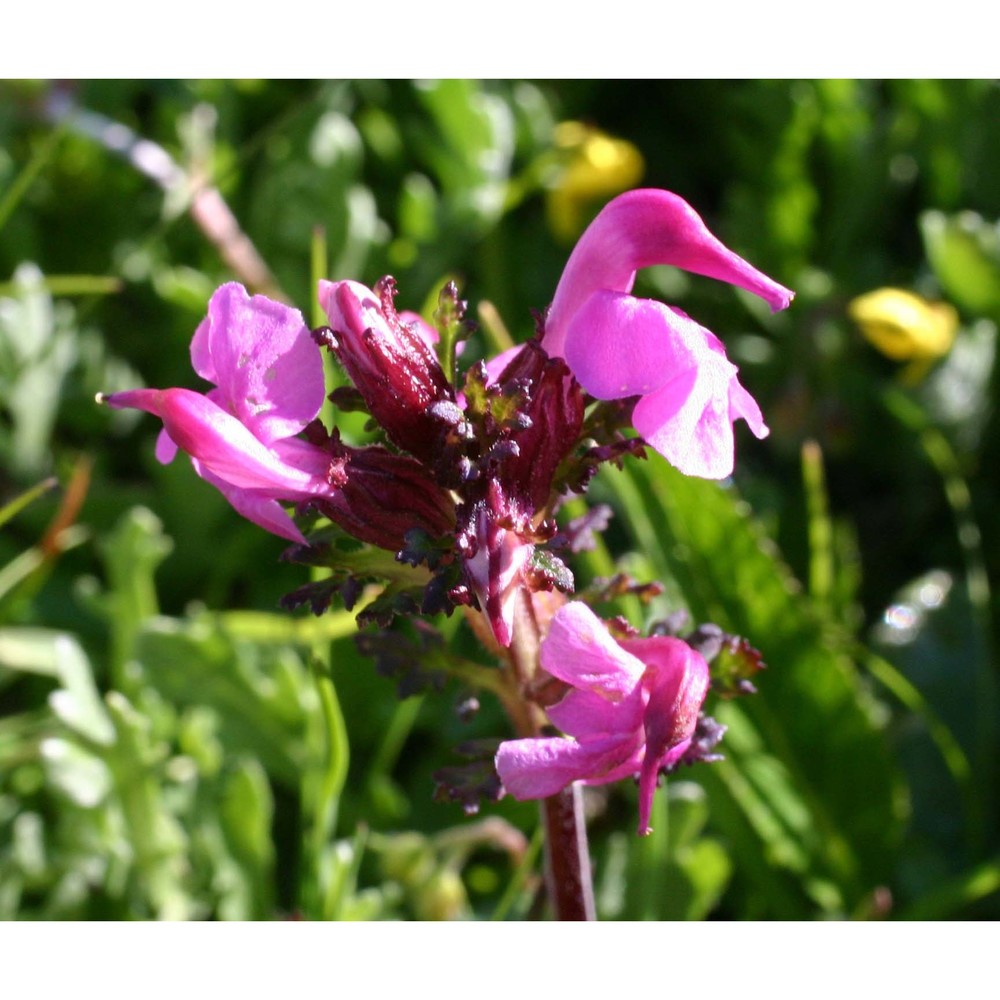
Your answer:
<point x="172" y="746"/>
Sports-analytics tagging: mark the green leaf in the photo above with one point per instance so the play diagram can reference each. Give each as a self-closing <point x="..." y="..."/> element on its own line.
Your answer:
<point x="78" y="773"/>
<point x="964" y="251"/>
<point x="676" y="873"/>
<point x="59" y="655"/>
<point x="813" y="725"/>
<point x="158" y="841"/>
<point x="131" y="555"/>
<point x="246" y="812"/>
<point x="15" y="506"/>
<point x="193" y="664"/>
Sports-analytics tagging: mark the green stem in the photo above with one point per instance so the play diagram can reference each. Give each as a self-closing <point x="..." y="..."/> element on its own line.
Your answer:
<point x="70" y="284"/>
<point x="18" y="504"/>
<point x="403" y="720"/>
<point x="820" y="529"/>
<point x="26" y="177"/>
<point x="520" y="876"/>
<point x="337" y="756"/>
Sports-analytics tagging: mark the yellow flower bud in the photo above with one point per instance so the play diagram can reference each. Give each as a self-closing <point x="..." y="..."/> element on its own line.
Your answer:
<point x="597" y="166"/>
<point x="903" y="326"/>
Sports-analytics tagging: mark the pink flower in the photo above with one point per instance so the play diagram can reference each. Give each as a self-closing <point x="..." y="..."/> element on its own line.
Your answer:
<point x="618" y="345"/>
<point x="632" y="709"/>
<point x="241" y="435"/>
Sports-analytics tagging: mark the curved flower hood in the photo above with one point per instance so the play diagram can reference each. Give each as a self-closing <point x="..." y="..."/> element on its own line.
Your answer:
<point x="618" y="345"/>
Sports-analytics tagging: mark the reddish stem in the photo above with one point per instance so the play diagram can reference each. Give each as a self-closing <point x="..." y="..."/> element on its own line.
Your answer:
<point x="567" y="858"/>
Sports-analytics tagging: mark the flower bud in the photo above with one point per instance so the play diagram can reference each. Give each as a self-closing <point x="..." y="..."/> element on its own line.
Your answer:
<point x="389" y="361"/>
<point x="555" y="415"/>
<point x="381" y="496"/>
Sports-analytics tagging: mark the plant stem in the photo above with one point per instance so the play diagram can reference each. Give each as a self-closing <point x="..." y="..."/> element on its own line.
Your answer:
<point x="567" y="858"/>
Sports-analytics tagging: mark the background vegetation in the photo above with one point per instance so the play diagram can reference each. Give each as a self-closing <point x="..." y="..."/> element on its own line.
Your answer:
<point x="172" y="745"/>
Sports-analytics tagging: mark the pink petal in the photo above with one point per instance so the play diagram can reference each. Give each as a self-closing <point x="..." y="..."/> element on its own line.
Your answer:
<point x="585" y="715"/>
<point x="537" y="768"/>
<point x="688" y="423"/>
<point x="495" y="573"/>
<point x="628" y="768"/>
<point x="201" y="350"/>
<point x="264" y="361"/>
<point x="649" y="778"/>
<point x="266" y="513"/>
<point x="689" y="419"/>
<point x="638" y="229"/>
<point x="677" y="680"/>
<point x="580" y="651"/>
<point x="618" y="345"/>
<point x="224" y="446"/>
<point x="166" y="450"/>
<point x="496" y="365"/>
<point x="352" y="310"/>
<point x="742" y="404"/>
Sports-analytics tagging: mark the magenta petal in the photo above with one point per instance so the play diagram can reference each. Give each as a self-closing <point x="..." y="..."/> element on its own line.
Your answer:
<point x="219" y="441"/>
<point x="201" y="351"/>
<point x="629" y="767"/>
<point x="649" y="777"/>
<point x="688" y="423"/>
<point x="580" y="651"/>
<point x="495" y="573"/>
<point x="689" y="419"/>
<point x="584" y="715"/>
<point x="353" y="309"/>
<point x="638" y="229"/>
<point x="166" y="450"/>
<point x="537" y="768"/>
<point x="265" y="362"/>
<point x="677" y="681"/>
<point x="266" y="513"/>
<point x="618" y="345"/>
<point x="742" y="404"/>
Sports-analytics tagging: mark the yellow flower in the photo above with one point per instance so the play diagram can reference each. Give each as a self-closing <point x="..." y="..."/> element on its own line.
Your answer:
<point x="906" y="327"/>
<point x="596" y="166"/>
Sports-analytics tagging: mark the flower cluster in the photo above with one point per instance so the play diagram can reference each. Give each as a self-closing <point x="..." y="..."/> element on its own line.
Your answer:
<point x="470" y="475"/>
